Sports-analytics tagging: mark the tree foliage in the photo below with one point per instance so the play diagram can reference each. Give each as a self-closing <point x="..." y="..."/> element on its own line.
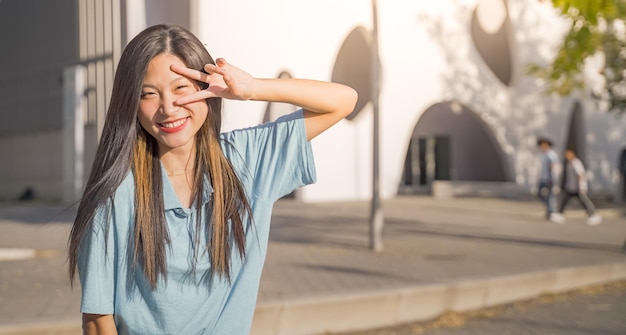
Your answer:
<point x="597" y="26"/>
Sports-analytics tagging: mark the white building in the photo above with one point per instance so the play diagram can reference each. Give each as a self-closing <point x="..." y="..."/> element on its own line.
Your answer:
<point x="455" y="103"/>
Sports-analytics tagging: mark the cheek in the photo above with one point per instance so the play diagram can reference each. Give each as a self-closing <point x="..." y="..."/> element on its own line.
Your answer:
<point x="145" y="115"/>
<point x="201" y="111"/>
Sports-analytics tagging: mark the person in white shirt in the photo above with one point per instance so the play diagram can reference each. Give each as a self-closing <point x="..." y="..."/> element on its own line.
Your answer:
<point x="575" y="185"/>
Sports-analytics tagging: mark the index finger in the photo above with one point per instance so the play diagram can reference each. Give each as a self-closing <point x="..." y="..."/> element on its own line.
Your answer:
<point x="190" y="73"/>
<point x="194" y="97"/>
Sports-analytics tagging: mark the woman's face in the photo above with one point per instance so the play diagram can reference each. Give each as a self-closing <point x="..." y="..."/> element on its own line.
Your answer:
<point x="173" y="126"/>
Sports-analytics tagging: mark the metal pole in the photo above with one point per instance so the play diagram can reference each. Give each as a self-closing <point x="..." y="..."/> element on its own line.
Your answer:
<point x="376" y="217"/>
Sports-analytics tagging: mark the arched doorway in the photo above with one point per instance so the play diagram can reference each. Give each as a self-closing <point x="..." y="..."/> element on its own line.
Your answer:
<point x="450" y="142"/>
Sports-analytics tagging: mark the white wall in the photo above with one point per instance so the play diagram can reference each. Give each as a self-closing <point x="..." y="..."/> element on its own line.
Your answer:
<point x="303" y="38"/>
<point x="427" y="56"/>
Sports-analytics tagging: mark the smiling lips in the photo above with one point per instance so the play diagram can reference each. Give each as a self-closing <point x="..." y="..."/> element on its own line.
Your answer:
<point x="174" y="126"/>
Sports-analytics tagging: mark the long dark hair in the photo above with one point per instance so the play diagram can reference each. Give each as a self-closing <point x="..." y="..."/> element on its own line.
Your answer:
<point x="125" y="146"/>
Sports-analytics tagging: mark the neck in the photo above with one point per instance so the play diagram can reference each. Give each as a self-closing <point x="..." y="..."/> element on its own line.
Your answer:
<point x="178" y="161"/>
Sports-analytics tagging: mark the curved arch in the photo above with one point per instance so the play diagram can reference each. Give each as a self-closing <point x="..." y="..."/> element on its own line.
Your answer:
<point x="491" y="32"/>
<point x="353" y="67"/>
<point x="274" y="110"/>
<point x="459" y="144"/>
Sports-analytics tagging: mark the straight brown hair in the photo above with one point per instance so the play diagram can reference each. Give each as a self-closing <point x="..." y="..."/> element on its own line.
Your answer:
<point x="126" y="147"/>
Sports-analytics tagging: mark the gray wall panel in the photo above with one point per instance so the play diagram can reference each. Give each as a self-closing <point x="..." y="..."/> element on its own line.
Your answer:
<point x="40" y="38"/>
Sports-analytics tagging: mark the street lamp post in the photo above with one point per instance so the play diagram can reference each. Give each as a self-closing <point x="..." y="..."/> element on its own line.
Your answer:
<point x="376" y="215"/>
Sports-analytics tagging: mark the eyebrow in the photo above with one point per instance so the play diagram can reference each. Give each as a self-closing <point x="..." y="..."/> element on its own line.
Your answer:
<point x="171" y="82"/>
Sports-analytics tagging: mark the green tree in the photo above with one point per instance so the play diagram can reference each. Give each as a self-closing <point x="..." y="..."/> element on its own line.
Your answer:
<point x="596" y="26"/>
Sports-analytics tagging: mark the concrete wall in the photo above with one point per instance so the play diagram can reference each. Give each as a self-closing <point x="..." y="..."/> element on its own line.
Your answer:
<point x="39" y="39"/>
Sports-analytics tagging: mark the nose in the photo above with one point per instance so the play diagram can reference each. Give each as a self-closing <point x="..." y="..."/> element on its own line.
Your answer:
<point x="167" y="104"/>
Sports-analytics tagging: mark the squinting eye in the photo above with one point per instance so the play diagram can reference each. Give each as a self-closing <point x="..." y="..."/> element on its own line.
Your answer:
<point x="181" y="87"/>
<point x="146" y="94"/>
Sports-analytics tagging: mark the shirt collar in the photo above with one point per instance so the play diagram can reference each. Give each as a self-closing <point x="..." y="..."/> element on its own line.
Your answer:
<point x="170" y="198"/>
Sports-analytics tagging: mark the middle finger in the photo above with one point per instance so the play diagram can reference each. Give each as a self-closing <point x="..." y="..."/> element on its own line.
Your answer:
<point x="190" y="73"/>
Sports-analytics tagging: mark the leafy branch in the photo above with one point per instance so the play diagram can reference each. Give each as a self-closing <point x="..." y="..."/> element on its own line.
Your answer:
<point x="597" y="26"/>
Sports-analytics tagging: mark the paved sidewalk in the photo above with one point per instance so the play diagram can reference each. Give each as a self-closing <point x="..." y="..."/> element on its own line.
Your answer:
<point x="319" y="275"/>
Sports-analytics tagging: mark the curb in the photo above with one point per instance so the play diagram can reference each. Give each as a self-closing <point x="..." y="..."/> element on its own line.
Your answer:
<point x="361" y="311"/>
<point x="375" y="309"/>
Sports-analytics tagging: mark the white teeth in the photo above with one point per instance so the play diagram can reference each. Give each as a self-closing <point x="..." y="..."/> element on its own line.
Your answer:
<point x="173" y="124"/>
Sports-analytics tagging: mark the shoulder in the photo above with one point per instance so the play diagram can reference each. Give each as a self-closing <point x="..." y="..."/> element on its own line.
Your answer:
<point x="249" y="141"/>
<point x="578" y="164"/>
<point x="284" y="121"/>
<point x="552" y="155"/>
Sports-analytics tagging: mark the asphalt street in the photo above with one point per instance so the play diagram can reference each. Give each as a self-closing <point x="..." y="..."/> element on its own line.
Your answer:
<point x="599" y="310"/>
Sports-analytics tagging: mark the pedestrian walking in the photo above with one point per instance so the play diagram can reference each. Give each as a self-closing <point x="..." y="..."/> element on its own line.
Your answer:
<point x="547" y="189"/>
<point x="172" y="229"/>
<point x="576" y="185"/>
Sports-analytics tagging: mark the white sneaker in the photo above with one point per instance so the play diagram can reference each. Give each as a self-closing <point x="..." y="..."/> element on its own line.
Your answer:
<point x="556" y="218"/>
<point x="594" y="220"/>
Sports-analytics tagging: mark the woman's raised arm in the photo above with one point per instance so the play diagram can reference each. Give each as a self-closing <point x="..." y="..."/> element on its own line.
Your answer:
<point x="324" y="103"/>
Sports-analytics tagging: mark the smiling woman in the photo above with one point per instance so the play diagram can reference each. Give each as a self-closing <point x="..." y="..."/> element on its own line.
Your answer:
<point x="172" y="229"/>
<point x="172" y="125"/>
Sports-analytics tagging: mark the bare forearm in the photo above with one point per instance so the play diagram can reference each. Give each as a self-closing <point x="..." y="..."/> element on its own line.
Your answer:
<point x="324" y="103"/>
<point x="96" y="324"/>
<point x="311" y="95"/>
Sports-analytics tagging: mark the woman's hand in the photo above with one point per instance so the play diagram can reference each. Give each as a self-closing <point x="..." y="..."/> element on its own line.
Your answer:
<point x="225" y="81"/>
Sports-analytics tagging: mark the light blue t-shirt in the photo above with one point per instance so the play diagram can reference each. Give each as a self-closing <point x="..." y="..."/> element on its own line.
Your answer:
<point x="271" y="160"/>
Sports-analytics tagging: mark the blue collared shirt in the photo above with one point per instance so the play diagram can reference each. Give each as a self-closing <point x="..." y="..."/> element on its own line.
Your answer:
<point x="271" y="160"/>
<point x="549" y="161"/>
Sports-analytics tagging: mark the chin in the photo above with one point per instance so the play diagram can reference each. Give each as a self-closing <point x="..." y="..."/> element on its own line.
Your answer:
<point x="169" y="145"/>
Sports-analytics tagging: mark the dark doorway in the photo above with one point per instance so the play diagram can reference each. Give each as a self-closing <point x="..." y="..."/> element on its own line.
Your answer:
<point x="443" y="158"/>
<point x="450" y="142"/>
<point x="427" y="159"/>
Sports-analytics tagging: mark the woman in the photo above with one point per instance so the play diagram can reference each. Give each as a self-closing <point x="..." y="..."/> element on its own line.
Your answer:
<point x="172" y="230"/>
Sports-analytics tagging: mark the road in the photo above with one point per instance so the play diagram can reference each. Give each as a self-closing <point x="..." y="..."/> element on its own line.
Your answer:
<point x="598" y="310"/>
